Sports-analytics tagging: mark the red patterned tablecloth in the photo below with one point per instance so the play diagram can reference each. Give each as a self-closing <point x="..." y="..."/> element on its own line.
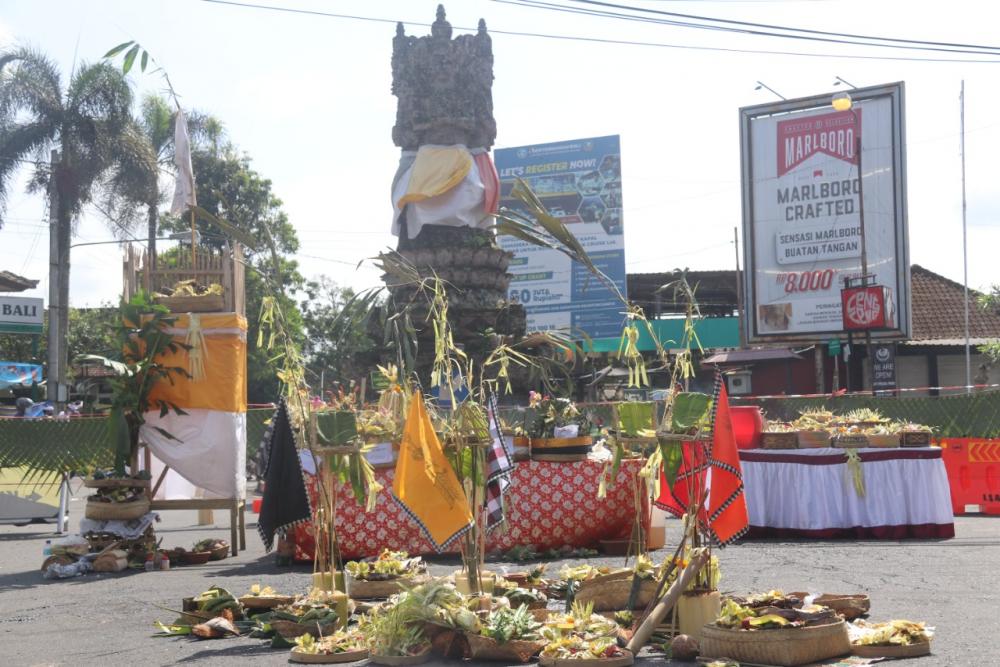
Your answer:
<point x="548" y="505"/>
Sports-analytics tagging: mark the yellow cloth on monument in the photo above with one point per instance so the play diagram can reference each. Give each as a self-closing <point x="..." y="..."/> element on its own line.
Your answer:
<point x="436" y="170"/>
<point x="425" y="484"/>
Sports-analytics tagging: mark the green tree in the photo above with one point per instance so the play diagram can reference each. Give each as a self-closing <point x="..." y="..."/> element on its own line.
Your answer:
<point x="103" y="156"/>
<point x="230" y="189"/>
<point x="90" y="332"/>
<point x="338" y="347"/>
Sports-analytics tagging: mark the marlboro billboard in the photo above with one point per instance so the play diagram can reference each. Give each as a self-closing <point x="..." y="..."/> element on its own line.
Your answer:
<point x="801" y="204"/>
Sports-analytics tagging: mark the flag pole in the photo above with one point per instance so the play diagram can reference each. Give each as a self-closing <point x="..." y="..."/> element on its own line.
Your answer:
<point x="194" y="252"/>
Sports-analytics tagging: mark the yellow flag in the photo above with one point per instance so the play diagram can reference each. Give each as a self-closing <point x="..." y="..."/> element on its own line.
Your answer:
<point x="425" y="484"/>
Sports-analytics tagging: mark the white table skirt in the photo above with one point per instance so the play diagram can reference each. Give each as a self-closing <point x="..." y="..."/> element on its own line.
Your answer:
<point x="810" y="492"/>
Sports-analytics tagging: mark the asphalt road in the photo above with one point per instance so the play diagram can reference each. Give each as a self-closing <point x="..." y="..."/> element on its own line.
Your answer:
<point x="106" y="620"/>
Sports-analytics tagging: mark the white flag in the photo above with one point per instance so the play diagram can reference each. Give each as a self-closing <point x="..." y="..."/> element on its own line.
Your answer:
<point x="184" y="196"/>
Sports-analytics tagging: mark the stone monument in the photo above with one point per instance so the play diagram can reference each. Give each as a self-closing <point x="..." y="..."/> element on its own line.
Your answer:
<point x="446" y="186"/>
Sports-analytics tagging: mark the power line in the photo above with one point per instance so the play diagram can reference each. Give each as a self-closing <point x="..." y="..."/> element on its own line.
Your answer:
<point x="620" y="42"/>
<point x="785" y="28"/>
<point x="539" y="4"/>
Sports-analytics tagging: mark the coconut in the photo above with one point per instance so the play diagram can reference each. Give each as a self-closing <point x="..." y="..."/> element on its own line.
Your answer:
<point x="683" y="647"/>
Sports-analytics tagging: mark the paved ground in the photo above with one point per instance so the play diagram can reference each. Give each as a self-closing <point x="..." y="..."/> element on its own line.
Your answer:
<point x="107" y="619"/>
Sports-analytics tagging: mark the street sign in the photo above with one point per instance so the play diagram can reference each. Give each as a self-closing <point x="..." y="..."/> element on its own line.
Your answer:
<point x="19" y="314"/>
<point x="866" y="308"/>
<point x="833" y="347"/>
<point x="884" y="367"/>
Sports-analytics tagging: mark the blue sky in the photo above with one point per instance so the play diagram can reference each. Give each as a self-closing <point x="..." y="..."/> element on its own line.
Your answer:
<point x="308" y="98"/>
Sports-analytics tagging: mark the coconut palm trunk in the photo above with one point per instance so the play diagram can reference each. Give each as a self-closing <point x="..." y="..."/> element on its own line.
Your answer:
<point x="153" y="214"/>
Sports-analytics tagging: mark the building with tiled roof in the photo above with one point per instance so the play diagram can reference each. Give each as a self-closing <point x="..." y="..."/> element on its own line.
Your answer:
<point x="939" y="313"/>
<point x="11" y="282"/>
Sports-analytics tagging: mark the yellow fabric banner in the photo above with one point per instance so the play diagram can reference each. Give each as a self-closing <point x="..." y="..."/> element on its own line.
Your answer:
<point x="436" y="170"/>
<point x="425" y="484"/>
<point x="222" y="356"/>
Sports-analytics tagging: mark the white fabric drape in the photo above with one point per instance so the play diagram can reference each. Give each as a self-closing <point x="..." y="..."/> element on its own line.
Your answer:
<point x="800" y="496"/>
<point x="209" y="450"/>
<point x="184" y="192"/>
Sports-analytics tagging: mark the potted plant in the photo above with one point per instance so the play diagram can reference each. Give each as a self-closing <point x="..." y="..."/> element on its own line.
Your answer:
<point x="142" y="336"/>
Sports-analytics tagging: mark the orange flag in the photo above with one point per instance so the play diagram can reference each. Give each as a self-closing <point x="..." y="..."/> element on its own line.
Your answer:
<point x="425" y="484"/>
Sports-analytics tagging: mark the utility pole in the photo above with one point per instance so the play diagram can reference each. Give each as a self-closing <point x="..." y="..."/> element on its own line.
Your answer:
<point x="740" y="315"/>
<point x="965" y="254"/>
<point x="55" y="373"/>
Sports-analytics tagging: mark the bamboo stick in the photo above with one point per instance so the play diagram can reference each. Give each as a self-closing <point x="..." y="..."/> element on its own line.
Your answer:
<point x="666" y="603"/>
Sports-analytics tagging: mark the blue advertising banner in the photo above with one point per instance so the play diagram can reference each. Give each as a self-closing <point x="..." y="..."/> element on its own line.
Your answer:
<point x="14" y="373"/>
<point x="580" y="182"/>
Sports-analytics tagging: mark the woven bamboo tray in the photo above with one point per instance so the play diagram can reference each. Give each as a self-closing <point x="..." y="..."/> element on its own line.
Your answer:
<point x="779" y="440"/>
<point x="915" y="439"/>
<point x="116" y="511"/>
<point x="257" y="602"/>
<point x="910" y="651"/>
<point x="400" y="660"/>
<point x="847" y="605"/>
<point x="327" y="658"/>
<point x="851" y="441"/>
<point x="515" y="650"/>
<point x="883" y="440"/>
<point x="209" y="303"/>
<point x="291" y="629"/>
<point x="114" y="483"/>
<point x="610" y="592"/>
<point x="623" y="661"/>
<point x="785" y="648"/>
<point x="813" y="439"/>
<point x="361" y="589"/>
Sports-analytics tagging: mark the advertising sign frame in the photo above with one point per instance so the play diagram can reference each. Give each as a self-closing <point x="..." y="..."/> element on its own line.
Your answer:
<point x="579" y="181"/>
<point x="899" y="281"/>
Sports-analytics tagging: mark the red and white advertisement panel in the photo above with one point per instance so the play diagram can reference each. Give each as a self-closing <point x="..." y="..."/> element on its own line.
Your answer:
<point x="801" y="202"/>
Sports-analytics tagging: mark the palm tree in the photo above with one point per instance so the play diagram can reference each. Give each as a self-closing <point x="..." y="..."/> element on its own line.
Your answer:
<point x="157" y="121"/>
<point x="103" y="156"/>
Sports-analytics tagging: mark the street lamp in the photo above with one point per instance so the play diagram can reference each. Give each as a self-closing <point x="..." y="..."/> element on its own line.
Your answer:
<point x="837" y="81"/>
<point x="761" y="84"/>
<point x="842" y="102"/>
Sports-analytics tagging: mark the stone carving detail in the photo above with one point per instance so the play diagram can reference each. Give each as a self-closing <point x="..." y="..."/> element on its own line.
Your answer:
<point x="444" y="87"/>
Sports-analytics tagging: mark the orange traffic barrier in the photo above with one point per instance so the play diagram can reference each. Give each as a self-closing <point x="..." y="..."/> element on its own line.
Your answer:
<point x="973" y="466"/>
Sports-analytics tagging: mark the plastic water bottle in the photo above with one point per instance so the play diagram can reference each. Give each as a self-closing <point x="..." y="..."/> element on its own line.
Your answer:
<point x="47" y="549"/>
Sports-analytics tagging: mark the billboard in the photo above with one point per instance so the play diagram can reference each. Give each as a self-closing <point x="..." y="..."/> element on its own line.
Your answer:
<point x="801" y="212"/>
<point x="580" y="182"/>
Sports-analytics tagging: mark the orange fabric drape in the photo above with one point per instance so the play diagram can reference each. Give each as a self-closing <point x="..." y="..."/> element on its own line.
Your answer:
<point x="224" y="387"/>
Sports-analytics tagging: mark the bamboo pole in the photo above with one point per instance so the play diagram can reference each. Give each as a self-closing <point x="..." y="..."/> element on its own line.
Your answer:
<point x="194" y="252"/>
<point x="666" y="603"/>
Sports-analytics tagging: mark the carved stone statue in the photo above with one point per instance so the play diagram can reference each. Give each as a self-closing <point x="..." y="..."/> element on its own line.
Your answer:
<point x="444" y="87"/>
<point x="444" y="118"/>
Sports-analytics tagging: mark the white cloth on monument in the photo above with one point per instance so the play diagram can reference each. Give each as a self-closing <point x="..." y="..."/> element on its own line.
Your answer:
<point x="208" y="448"/>
<point x="463" y="205"/>
<point x="184" y="194"/>
<point x="802" y="496"/>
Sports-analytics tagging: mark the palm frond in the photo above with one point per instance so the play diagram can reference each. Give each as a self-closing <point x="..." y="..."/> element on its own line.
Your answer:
<point x="29" y="81"/>
<point x="537" y="226"/>
<point x="19" y="142"/>
<point x="157" y="120"/>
